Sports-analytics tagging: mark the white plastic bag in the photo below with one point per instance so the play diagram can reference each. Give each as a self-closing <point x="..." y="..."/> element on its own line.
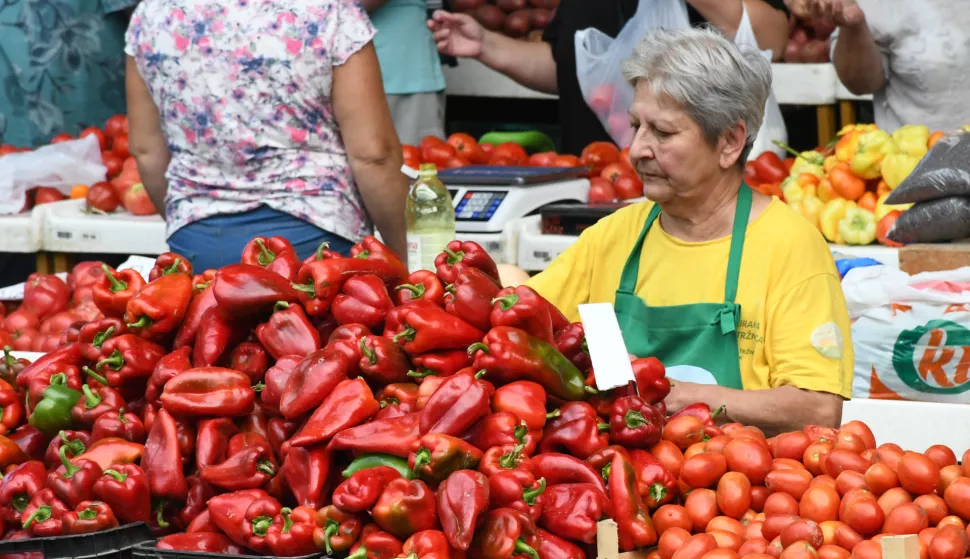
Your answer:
<point x="58" y="165"/>
<point x="911" y="334"/>
<point x="599" y="58"/>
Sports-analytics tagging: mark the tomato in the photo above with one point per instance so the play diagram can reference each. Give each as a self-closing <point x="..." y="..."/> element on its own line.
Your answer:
<point x="437" y="153"/>
<point x="463" y="143"/>
<point x="752" y="530"/>
<point x="926" y="536"/>
<point x="726" y="540"/>
<point x="696" y="547"/>
<point x="694" y="450"/>
<point x="543" y="159"/>
<point x="701" y="505"/>
<point x="112" y="163"/>
<point x="846" y="537"/>
<point x="733" y="493"/>
<point x="799" y="550"/>
<point x="669" y="455"/>
<point x="412" y="156"/>
<point x="965" y="461"/>
<point x="721" y="553"/>
<point x="791" y="445"/>
<point x="908" y="518"/>
<point x="819" y="503"/>
<point x="850" y="441"/>
<point x="893" y="498"/>
<point x="759" y="495"/>
<point x="951" y="520"/>
<point x="957" y="496"/>
<point x="97" y="133"/>
<point x="20" y="320"/>
<point x="802" y="530"/>
<point x="46" y="195"/>
<point x="726" y="524"/>
<point x="671" y="516"/>
<point x="775" y="548"/>
<point x="614" y="170"/>
<point x="62" y="137"/>
<point x="102" y="197"/>
<point x="849" y="479"/>
<point x="813" y="456"/>
<point x="948" y="475"/>
<point x="880" y="478"/>
<point x="116" y="126"/>
<point x="862" y="431"/>
<point x="670" y="541"/>
<point x="749" y="457"/>
<point x="948" y="543"/>
<point x="867" y="550"/>
<point x="598" y="155"/>
<point x="832" y="552"/>
<point x="511" y="150"/>
<point x="918" y="474"/>
<point x="750" y="432"/>
<point x="787" y="464"/>
<point x="793" y="482"/>
<point x="58" y="323"/>
<point x="825" y="480"/>
<point x="7" y="149"/>
<point x="935" y="507"/>
<point x="624" y="158"/>
<point x="775" y="525"/>
<point x="717" y="444"/>
<point x="890" y="455"/>
<point x="502" y="162"/>
<point x="628" y="186"/>
<point x="780" y="504"/>
<point x="703" y="470"/>
<point x="818" y="433"/>
<point x="753" y="546"/>
<point x="601" y="191"/>
<point x="566" y="160"/>
<point x="455" y="162"/>
<point x="864" y="515"/>
<point x="684" y="431"/>
<point x="828" y="531"/>
<point x="137" y="202"/>
<point x="941" y="455"/>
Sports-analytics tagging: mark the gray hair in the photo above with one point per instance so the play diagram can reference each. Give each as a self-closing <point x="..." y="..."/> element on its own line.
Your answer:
<point x="717" y="83"/>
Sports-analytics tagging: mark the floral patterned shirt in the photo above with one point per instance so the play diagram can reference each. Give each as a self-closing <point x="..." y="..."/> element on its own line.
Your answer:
<point x="243" y="90"/>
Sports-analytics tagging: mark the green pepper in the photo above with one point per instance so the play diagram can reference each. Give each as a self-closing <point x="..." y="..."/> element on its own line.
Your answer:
<point x="53" y="412"/>
<point x="374" y="459"/>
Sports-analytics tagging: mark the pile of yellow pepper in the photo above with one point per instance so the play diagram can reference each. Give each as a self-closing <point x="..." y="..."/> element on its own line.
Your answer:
<point x="844" y="193"/>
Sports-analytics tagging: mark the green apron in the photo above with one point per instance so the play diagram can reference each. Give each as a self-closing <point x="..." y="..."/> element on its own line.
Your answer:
<point x="698" y="342"/>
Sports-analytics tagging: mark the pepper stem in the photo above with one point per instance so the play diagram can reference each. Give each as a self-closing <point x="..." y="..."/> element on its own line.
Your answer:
<point x="259" y="387"/>
<point x="363" y="255"/>
<point x="522" y="548"/>
<point x="325" y="245"/>
<point x="476" y="347"/>
<point x="94" y="375"/>
<point x="174" y="268"/>
<point x="530" y="495"/>
<point x="266" y="256"/>
<point x="368" y="353"/>
<point x="91" y="400"/>
<point x="58" y="379"/>
<point x="605" y="472"/>
<point x="280" y="306"/>
<point x="114" y="283"/>
<point x="121" y="415"/>
<point x="307" y="288"/>
<point x="76" y="446"/>
<point x="202" y="286"/>
<point x="143" y="322"/>
<point x="506" y="302"/>
<point x="603" y="427"/>
<point x="331" y="528"/>
<point x="421" y="373"/>
<point x="553" y="414"/>
<point x="7" y="358"/>
<point x="591" y="390"/>
<point x="261" y="524"/>
<point x="454" y="257"/>
<point x="69" y="469"/>
<point x="116" y="361"/>
<point x="88" y="514"/>
<point x="118" y="476"/>
<point x="520" y="431"/>
<point x="634" y="419"/>
<point x="481" y="373"/>
<point x="42" y="514"/>
<point x="718" y="411"/>
<point x="421" y="458"/>
<point x="361" y="553"/>
<point x="159" y="515"/>
<point x="407" y="334"/>
<point x="287" y="523"/>
<point x="508" y="461"/>
<point x="20" y="501"/>
<point x="450" y="288"/>
<point x="101" y="336"/>
<point x="266" y="467"/>
<point x="657" y="492"/>
<point x="417" y="290"/>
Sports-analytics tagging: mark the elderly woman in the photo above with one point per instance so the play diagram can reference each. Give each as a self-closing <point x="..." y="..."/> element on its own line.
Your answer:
<point x="263" y="118"/>
<point x="737" y="295"/>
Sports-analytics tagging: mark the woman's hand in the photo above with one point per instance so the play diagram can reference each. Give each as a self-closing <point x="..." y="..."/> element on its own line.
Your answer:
<point x="457" y="34"/>
<point x="844" y="13"/>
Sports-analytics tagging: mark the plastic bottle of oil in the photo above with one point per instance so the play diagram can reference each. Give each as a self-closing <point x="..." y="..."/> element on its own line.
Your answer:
<point x="430" y="218"/>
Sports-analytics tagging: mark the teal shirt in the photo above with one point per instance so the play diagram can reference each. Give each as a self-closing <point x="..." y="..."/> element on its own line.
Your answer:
<point x="407" y="53"/>
<point x="62" y="67"/>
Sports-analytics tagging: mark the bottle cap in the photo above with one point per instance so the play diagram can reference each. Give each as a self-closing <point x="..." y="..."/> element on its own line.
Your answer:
<point x="429" y="169"/>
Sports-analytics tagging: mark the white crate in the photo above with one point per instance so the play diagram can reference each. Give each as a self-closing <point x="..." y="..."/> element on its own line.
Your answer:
<point x="68" y="229"/>
<point x="23" y="232"/>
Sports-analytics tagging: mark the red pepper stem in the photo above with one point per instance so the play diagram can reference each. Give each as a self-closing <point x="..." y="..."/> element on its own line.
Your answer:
<point x="450" y="288"/>
<point x="325" y="245"/>
<point x="94" y="375"/>
<point x="76" y="446"/>
<point x="421" y="458"/>
<point x="361" y="553"/>
<point x="331" y="528"/>
<point x="20" y="501"/>
<point x="507" y="302"/>
<point x="174" y="268"/>
<point x="42" y="514"/>
<point x="118" y="476"/>
<point x="266" y="467"/>
<point x="481" y="373"/>
<point x="553" y="414"/>
<point x="522" y="548"/>
<point x="287" y="523"/>
<point x="408" y="334"/>
<point x="454" y="257"/>
<point x="69" y="469"/>
<point x="143" y="322"/>
<point x="266" y="256"/>
<point x="718" y="411"/>
<point x="88" y="514"/>
<point x="91" y="400"/>
<point x="530" y="495"/>
<point x="603" y="427"/>
<point x="116" y="361"/>
<point x="259" y="387"/>
<point x="590" y="390"/>
<point x="417" y="290"/>
<point x="307" y="288"/>
<point x="657" y="492"/>
<point x="262" y="523"/>
<point x="202" y="286"/>
<point x="101" y="336"/>
<point x="478" y="346"/>
<point x="634" y="419"/>
<point x="7" y="358"/>
<point x="116" y="284"/>
<point x="509" y="460"/>
<point x="160" y="516"/>
<point x="121" y="415"/>
<point x="421" y="373"/>
<point x="58" y="379"/>
<point x="367" y="352"/>
<point x="280" y="306"/>
<point x="363" y="255"/>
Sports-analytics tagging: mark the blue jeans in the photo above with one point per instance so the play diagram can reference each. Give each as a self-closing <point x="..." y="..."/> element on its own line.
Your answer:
<point x="217" y="241"/>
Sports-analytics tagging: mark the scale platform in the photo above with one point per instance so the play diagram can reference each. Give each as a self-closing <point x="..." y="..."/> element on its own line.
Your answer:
<point x="487" y="197"/>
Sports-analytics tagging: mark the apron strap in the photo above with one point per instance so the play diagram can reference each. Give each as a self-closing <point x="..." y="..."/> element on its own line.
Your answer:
<point x="741" y="214"/>
<point x="631" y="270"/>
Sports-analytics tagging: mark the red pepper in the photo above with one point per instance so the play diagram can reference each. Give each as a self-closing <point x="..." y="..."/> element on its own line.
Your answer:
<point x="349" y="404"/>
<point x="319" y="282"/>
<point x="276" y="254"/>
<point x="470" y="297"/>
<point x="11" y="367"/>
<point x="521" y="307"/>
<point x="218" y="333"/>
<point x="249" y="468"/>
<point x="460" y="255"/>
<point x="560" y="469"/>
<point x="67" y="356"/>
<point x="551" y="546"/>
<point x="76" y="482"/>
<point x="212" y="442"/>
<point x="462" y="498"/>
<point x="571" y="511"/>
<point x="428" y="328"/>
<point x="44" y="516"/>
<point x="655" y="483"/>
<point x="204" y="542"/>
<point x="92" y="336"/>
<point x="110" y="451"/>
<point x="229" y="511"/>
<point x="635" y="423"/>
<point x="336" y="530"/>
<point x="437" y="456"/>
<point x="166" y="368"/>
<point x="89" y="517"/>
<point x="45" y="295"/>
<point x="11" y="410"/>
<point x="525" y="399"/>
<point x="203" y="522"/>
<point x="257" y="521"/>
<point x="459" y="402"/>
<point x="505" y="458"/>
<point x="634" y="526"/>
<point x="128" y="359"/>
<point x="96" y="402"/>
<point x="362" y="300"/>
<point x="208" y="391"/>
<point x="383" y="361"/>
<point x="517" y="490"/>
<point x="429" y="384"/>
<point x="441" y="363"/>
<point x="196" y="502"/>
<point x="769" y="167"/>
<point x="500" y="429"/>
<point x="323" y="252"/>
<point x="76" y="442"/>
<point x="571" y="342"/>
<point x="314" y="378"/>
<point x="375" y="543"/>
<point x="359" y="492"/>
<point x="162" y="460"/>
<point x="124" y="487"/>
<point x="291" y="533"/>
<point x="393" y="436"/>
<point x="203" y="280"/>
<point x="306" y="471"/>
<point x="405" y="507"/>
<point x="67" y="376"/>
<point x="577" y="429"/>
<point x="19" y="487"/>
<point x="243" y="289"/>
<point x="652" y="382"/>
<point x="506" y="533"/>
<point x="201" y="302"/>
<point x="30" y="440"/>
<point x="275" y="380"/>
<point x="250" y="358"/>
<point x="288" y="332"/>
<point x="397" y="399"/>
<point x="369" y="248"/>
<point x="279" y="431"/>
<point x="169" y="263"/>
<point x="428" y="544"/>
<point x="421" y="285"/>
<point x="158" y="308"/>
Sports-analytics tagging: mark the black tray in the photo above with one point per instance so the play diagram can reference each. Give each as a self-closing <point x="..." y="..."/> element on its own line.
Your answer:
<point x="149" y="551"/>
<point x="116" y="543"/>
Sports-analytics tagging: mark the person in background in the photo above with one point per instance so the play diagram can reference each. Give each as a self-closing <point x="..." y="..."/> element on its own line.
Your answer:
<point x="913" y="57"/>
<point x="410" y="67"/>
<point x="549" y="66"/>
<point x="263" y="117"/>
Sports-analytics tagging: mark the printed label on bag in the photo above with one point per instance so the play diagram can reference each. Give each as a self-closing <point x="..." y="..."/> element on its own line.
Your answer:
<point x="934" y="358"/>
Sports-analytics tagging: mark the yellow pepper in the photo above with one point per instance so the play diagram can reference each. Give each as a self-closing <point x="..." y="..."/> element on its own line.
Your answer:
<point x="829" y="217"/>
<point x="912" y="139"/>
<point x="873" y="147"/>
<point x="792" y="190"/>
<point x="897" y="167"/>
<point x="858" y="226"/>
<point x="847" y="146"/>
<point x="856" y="128"/>
<point x="809" y="207"/>
<point x="809" y="162"/>
<point x="882" y="208"/>
<point x="830" y="162"/>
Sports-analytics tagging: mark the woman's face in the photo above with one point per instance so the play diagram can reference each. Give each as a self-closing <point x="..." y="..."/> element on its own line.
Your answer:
<point x="669" y="151"/>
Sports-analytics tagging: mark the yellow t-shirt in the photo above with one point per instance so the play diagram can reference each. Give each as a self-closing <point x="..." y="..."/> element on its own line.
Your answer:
<point x="794" y="324"/>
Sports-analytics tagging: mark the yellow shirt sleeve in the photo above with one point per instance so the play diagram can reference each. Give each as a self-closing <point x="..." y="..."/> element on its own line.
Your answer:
<point x="808" y="343"/>
<point x="566" y="281"/>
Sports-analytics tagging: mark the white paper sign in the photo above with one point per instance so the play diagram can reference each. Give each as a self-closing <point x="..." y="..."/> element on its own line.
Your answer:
<point x="607" y="351"/>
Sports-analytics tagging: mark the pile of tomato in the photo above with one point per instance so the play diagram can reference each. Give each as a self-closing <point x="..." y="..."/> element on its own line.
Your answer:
<point x="813" y="494"/>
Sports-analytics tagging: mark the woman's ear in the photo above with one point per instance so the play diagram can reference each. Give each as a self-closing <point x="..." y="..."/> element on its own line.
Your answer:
<point x="731" y="144"/>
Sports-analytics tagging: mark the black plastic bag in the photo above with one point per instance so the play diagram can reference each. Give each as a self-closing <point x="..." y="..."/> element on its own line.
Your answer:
<point x="943" y="172"/>
<point x="946" y="219"/>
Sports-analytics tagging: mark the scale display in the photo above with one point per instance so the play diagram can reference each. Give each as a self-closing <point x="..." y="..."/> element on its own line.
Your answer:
<point x="479" y="205"/>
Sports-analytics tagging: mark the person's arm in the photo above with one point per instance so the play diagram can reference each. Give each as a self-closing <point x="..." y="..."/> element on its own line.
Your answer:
<point x="529" y="63"/>
<point x="372" y="5"/>
<point x="146" y="140"/>
<point x="858" y="61"/>
<point x="360" y="108"/>
<point x="770" y="24"/>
